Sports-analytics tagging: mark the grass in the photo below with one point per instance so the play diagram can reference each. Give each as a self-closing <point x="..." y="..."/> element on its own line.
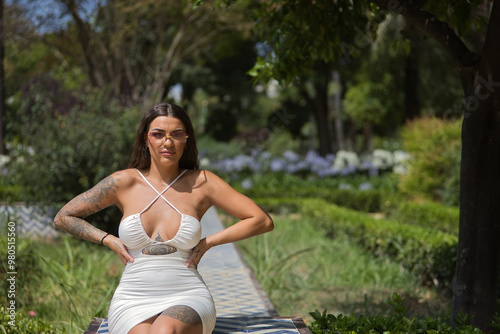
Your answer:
<point x="76" y="283"/>
<point x="302" y="270"/>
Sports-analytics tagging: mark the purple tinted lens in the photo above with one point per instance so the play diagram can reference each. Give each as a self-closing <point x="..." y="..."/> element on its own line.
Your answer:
<point x="158" y="135"/>
<point x="179" y="135"/>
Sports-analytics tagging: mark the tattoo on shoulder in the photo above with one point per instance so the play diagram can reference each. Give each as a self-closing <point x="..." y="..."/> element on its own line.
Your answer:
<point x="93" y="198"/>
<point x="183" y="313"/>
<point x="105" y="187"/>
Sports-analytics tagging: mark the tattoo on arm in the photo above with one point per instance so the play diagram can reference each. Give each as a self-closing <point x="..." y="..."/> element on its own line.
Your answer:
<point x="70" y="218"/>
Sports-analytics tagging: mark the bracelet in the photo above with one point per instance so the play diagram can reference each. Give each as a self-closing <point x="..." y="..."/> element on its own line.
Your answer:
<point x="104" y="237"/>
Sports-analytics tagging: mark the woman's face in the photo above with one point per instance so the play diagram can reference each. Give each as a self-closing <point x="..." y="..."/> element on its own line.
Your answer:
<point x="166" y="140"/>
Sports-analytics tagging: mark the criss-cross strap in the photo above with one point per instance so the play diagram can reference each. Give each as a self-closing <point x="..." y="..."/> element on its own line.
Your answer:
<point x="160" y="194"/>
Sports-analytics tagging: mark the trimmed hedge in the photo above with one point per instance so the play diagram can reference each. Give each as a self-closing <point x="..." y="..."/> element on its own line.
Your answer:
<point x="360" y="200"/>
<point x="426" y="214"/>
<point x="395" y="323"/>
<point x="427" y="253"/>
<point x="283" y="205"/>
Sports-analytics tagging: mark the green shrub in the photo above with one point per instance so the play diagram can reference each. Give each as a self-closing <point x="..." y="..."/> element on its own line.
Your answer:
<point x="57" y="155"/>
<point x="24" y="325"/>
<point x="279" y="205"/>
<point x="396" y="323"/>
<point x="9" y="192"/>
<point x="343" y="198"/>
<point x="212" y="149"/>
<point x="433" y="170"/>
<point x="426" y="214"/>
<point x="359" y="200"/>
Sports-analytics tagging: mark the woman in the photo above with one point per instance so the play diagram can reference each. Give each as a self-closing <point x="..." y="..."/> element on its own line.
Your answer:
<point x="162" y="196"/>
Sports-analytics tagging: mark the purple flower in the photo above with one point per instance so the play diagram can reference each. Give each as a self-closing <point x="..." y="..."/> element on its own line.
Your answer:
<point x="365" y="186"/>
<point x="291" y="156"/>
<point x="277" y="165"/>
<point x="247" y="183"/>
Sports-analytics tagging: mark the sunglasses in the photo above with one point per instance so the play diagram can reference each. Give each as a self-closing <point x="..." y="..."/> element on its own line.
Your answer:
<point x="178" y="136"/>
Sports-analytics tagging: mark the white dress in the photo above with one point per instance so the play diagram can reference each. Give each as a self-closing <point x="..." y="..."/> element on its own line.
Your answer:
<point x="153" y="283"/>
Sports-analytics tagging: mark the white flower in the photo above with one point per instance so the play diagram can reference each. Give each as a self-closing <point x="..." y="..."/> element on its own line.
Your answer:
<point x="4" y="160"/>
<point x="205" y="162"/>
<point x="345" y="159"/>
<point x="401" y="156"/>
<point x="399" y="169"/>
<point x="400" y="159"/>
<point x="382" y="158"/>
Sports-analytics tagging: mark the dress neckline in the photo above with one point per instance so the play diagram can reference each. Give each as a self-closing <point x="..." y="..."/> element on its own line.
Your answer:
<point x="160" y="194"/>
<point x="138" y="216"/>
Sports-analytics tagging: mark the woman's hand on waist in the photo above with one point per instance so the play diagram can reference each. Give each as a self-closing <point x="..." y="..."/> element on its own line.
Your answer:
<point x="197" y="253"/>
<point x="117" y="246"/>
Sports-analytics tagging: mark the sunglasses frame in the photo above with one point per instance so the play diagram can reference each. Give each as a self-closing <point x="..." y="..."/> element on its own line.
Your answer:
<point x="166" y="135"/>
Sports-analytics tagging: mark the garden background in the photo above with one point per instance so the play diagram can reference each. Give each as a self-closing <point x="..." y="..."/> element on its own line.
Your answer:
<point x="351" y="141"/>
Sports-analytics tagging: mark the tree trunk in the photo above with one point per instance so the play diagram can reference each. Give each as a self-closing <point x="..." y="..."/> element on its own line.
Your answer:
<point x="478" y="257"/>
<point x="322" y="128"/>
<point x="3" y="150"/>
<point x="351" y="136"/>
<point x="412" y="105"/>
<point x="335" y="101"/>
<point x="368" y="138"/>
<point x="475" y="285"/>
<point x="478" y="260"/>
<point x="318" y="106"/>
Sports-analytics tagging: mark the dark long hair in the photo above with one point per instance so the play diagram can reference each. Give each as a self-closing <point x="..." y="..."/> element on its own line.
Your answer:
<point x="141" y="158"/>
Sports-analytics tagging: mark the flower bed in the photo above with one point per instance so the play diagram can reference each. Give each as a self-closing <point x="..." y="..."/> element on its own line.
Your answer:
<point x="340" y="164"/>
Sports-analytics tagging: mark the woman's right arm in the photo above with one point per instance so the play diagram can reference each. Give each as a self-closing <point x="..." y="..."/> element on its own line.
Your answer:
<point x="71" y="217"/>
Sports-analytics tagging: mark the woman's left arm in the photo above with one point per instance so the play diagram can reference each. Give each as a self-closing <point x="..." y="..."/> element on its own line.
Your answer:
<point x="253" y="219"/>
